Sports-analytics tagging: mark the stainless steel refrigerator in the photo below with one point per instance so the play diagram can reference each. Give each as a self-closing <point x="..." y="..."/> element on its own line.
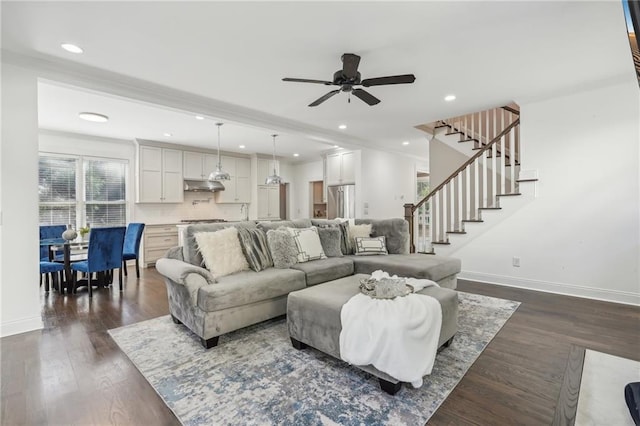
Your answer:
<point x="341" y="201"/>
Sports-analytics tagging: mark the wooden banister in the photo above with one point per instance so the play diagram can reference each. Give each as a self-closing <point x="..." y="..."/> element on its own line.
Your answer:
<point x="466" y="163"/>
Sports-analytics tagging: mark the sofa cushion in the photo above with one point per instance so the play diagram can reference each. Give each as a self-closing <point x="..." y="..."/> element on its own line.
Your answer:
<point x="222" y="251"/>
<point x="282" y="247"/>
<point x="247" y="287"/>
<point x="307" y="243"/>
<point x="413" y="265"/>
<point x="371" y="246"/>
<point x="320" y="271"/>
<point x="190" y="251"/>
<point x="396" y="232"/>
<point x="297" y="223"/>
<point x="331" y="238"/>
<point x="255" y="248"/>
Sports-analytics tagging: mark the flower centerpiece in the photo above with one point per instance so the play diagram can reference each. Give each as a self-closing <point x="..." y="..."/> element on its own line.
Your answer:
<point x="84" y="231"/>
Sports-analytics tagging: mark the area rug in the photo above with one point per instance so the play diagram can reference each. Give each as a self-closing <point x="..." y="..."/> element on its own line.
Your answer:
<point x="255" y="377"/>
<point x="601" y="399"/>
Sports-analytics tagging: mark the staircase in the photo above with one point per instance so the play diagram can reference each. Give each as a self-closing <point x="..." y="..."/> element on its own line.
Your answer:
<point x="492" y="139"/>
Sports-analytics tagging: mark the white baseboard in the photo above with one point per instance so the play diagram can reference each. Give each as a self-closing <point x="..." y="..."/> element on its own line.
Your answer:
<point x="616" y="296"/>
<point x="21" y="326"/>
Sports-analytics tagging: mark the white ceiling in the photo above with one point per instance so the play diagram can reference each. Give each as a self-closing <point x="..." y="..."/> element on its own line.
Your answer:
<point x="486" y="53"/>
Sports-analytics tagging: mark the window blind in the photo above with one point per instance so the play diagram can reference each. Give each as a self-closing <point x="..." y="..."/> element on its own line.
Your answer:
<point x="57" y="190"/>
<point x="105" y="193"/>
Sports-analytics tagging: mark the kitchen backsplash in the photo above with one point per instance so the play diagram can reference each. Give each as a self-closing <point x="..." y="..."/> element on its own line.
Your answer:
<point x="196" y="205"/>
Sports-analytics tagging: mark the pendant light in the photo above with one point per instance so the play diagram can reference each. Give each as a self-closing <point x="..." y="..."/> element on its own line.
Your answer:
<point x="218" y="174"/>
<point x="274" y="179"/>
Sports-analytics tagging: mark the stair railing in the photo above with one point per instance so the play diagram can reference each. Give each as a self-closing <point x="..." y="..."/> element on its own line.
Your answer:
<point x="476" y="184"/>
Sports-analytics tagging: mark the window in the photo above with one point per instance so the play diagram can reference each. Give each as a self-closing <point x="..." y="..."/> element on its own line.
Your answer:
<point x="82" y="191"/>
<point x="104" y="188"/>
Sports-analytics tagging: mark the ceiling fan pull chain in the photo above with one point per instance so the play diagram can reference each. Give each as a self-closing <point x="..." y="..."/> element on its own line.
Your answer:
<point x="349" y="98"/>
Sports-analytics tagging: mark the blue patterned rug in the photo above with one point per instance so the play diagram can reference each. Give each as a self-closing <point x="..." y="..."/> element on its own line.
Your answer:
<point x="255" y="377"/>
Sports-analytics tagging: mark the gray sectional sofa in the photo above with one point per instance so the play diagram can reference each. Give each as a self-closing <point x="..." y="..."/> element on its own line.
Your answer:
<point x="211" y="307"/>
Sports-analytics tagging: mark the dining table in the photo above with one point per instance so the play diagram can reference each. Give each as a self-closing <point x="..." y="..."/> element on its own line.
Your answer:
<point x="73" y="250"/>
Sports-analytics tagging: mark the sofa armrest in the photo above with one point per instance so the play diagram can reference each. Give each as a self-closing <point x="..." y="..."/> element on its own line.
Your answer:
<point x="182" y="273"/>
<point x="175" y="253"/>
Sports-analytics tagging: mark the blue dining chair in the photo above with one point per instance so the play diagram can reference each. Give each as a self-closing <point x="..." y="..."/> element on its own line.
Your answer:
<point x="50" y="232"/>
<point x="48" y="268"/>
<point x="131" y="249"/>
<point x="104" y="254"/>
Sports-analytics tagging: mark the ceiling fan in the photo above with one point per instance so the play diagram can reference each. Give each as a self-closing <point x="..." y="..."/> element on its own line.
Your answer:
<point x="348" y="77"/>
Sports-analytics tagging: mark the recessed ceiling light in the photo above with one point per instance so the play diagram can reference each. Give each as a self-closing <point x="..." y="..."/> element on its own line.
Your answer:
<point x="93" y="116"/>
<point x="405" y="143"/>
<point x="241" y="146"/>
<point x="167" y="134"/>
<point x="450" y="98"/>
<point x="199" y="117"/>
<point x="342" y="126"/>
<point x="336" y="146"/>
<point x="72" y="48"/>
<point x="296" y="155"/>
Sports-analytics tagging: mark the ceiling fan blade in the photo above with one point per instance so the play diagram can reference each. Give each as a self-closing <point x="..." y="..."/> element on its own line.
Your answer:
<point x="393" y="79"/>
<point x="350" y="64"/>
<point x="324" y="98"/>
<point x="305" y="80"/>
<point x="366" y="96"/>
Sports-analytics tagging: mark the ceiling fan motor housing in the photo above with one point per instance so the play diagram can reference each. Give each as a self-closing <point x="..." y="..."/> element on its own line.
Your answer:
<point x="340" y="79"/>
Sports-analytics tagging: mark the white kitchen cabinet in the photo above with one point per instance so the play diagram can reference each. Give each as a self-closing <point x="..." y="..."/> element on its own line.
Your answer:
<point x="269" y="202"/>
<point x="237" y="189"/>
<point x="265" y="169"/>
<point x="198" y="166"/>
<point x="341" y="168"/>
<point x="157" y="239"/>
<point x="159" y="175"/>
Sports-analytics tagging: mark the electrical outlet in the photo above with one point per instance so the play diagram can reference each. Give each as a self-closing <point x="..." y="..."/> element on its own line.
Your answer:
<point x="366" y="212"/>
<point x="516" y="262"/>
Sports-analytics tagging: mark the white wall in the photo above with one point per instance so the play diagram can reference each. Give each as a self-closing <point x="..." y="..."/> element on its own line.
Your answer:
<point x="581" y="235"/>
<point x="19" y="236"/>
<point x="303" y="173"/>
<point x="444" y="161"/>
<point x="388" y="181"/>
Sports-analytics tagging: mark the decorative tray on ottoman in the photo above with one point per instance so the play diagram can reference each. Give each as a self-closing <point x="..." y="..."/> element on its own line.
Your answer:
<point x="386" y="288"/>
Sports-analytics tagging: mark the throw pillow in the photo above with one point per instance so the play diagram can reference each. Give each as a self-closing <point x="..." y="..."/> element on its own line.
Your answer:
<point x="255" y="248"/>
<point x="371" y="246"/>
<point x="346" y="245"/>
<point x="282" y="247"/>
<point x="307" y="243"/>
<point x="355" y="231"/>
<point x="331" y="238"/>
<point x="221" y="251"/>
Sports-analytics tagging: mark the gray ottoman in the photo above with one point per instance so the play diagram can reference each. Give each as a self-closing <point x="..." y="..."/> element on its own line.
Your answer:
<point x="313" y="318"/>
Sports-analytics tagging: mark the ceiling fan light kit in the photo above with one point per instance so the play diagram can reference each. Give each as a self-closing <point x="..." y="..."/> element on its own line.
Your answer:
<point x="219" y="174"/>
<point x="349" y="77"/>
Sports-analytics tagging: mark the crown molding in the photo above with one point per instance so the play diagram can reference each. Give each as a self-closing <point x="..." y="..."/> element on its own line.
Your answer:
<point x="60" y="71"/>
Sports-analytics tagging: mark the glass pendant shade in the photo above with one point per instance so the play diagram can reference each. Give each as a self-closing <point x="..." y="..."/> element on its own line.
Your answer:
<point x="274" y="179"/>
<point x="218" y="174"/>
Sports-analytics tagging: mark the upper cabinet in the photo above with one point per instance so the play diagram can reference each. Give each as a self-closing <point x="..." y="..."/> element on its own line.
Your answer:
<point x="341" y="168"/>
<point x="198" y="166"/>
<point x="238" y="188"/>
<point x="159" y="175"/>
<point x="265" y="169"/>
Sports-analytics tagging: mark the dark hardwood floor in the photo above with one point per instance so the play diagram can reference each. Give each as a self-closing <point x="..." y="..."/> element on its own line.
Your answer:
<point x="73" y="373"/>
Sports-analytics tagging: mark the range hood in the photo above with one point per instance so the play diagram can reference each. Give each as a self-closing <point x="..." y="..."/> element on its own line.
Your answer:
<point x="202" y="186"/>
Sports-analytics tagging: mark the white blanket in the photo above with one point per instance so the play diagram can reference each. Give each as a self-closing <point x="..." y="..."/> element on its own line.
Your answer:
<point x="397" y="336"/>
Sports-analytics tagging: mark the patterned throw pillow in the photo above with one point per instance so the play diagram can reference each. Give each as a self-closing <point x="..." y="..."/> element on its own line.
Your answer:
<point x="282" y="247"/>
<point x="255" y="248"/>
<point x="371" y="246"/>
<point x="356" y="231"/>
<point x="331" y="239"/>
<point x="307" y="243"/>
<point x="221" y="251"/>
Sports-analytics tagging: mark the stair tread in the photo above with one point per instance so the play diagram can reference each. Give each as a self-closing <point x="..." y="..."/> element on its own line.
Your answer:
<point x="456" y="232"/>
<point x="489" y="208"/>
<point x="441" y="242"/>
<point x="473" y="220"/>
<point x="510" y="194"/>
<point x="526" y="180"/>
<point x="468" y="140"/>
<point x="426" y="252"/>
